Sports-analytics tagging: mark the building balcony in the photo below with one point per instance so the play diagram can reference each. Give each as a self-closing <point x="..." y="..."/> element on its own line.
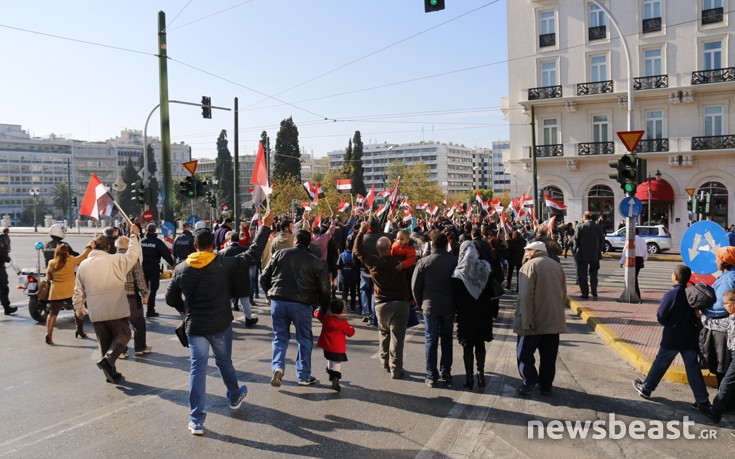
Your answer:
<point x="546" y="39"/>
<point x="713" y="142"/>
<point x="651" y="25"/>
<point x="712" y="16"/>
<point x="713" y="76"/>
<point x="545" y="92"/>
<point x="652" y="145"/>
<point x="596" y="148"/>
<point x="651" y="82"/>
<point x="597" y="33"/>
<point x="548" y="151"/>
<point x="595" y="87"/>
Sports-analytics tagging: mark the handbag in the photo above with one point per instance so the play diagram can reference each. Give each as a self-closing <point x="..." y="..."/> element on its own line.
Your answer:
<point x="413" y="318"/>
<point x="44" y="287"/>
<point x="497" y="288"/>
<point x="181" y="329"/>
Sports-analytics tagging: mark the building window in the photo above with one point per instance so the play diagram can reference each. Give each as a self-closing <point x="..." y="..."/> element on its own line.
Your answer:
<point x="713" y="122"/>
<point x="550" y="134"/>
<point x="548" y="74"/>
<point x="718" y="201"/>
<point x="601" y="202"/>
<point x="712" y="54"/>
<point x="652" y="62"/>
<point x="654" y="124"/>
<point x="547" y="28"/>
<point x="597" y="29"/>
<point x="600" y="128"/>
<point x="651" y="9"/>
<point x="598" y="68"/>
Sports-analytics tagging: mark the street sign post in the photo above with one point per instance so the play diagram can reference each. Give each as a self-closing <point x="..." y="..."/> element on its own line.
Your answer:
<point x="699" y="245"/>
<point x="631" y="207"/>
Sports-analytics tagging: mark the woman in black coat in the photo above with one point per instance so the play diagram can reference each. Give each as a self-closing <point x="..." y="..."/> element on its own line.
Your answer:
<point x="474" y="311"/>
<point x="516" y="246"/>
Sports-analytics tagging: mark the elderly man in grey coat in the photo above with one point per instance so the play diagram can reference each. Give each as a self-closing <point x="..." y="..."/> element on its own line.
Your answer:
<point x="539" y="318"/>
<point x="100" y="283"/>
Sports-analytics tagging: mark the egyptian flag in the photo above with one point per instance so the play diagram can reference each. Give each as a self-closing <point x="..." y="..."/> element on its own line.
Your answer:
<point x="550" y="225"/>
<point x="526" y="201"/>
<point x="259" y="178"/>
<point x="407" y="216"/>
<point x="344" y="185"/>
<point x="450" y="212"/>
<point x="421" y="206"/>
<point x="497" y="205"/>
<point x="317" y="221"/>
<point x="384" y="194"/>
<point x="406" y="204"/>
<point x="381" y="211"/>
<point x="394" y="195"/>
<point x="306" y="206"/>
<point x="314" y="190"/>
<point x="370" y="198"/>
<point x="504" y="223"/>
<point x="359" y="199"/>
<point x="97" y="200"/>
<point x="469" y="213"/>
<point x="554" y="206"/>
<point x="432" y="210"/>
<point x="343" y="206"/>
<point x="444" y="201"/>
<point x="479" y="200"/>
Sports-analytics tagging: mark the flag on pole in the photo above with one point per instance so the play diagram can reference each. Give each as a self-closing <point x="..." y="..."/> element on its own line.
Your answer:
<point x="526" y="201"/>
<point x="422" y="206"/>
<point x="317" y="221"/>
<point x="306" y="206"/>
<point x="406" y="204"/>
<point x="97" y="200"/>
<point x="552" y="203"/>
<point x="407" y="215"/>
<point x="394" y="195"/>
<point x="343" y="206"/>
<point x="344" y="185"/>
<point x="469" y="213"/>
<point x="359" y="199"/>
<point x="370" y="198"/>
<point x="479" y="200"/>
<point x="384" y="194"/>
<point x="314" y="190"/>
<point x="504" y="222"/>
<point x="432" y="210"/>
<point x="381" y="210"/>
<point x="259" y="178"/>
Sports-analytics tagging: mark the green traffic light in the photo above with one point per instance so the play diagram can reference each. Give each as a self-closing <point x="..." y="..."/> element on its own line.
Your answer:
<point x="629" y="188"/>
<point x="433" y="2"/>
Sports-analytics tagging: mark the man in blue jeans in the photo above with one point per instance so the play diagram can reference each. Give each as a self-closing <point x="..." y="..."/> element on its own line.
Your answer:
<point x="207" y="281"/>
<point x="295" y="281"/>
<point x="433" y="289"/>
<point x="680" y="336"/>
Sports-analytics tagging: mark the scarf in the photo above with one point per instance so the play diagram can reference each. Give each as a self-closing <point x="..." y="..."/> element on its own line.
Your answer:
<point x="472" y="271"/>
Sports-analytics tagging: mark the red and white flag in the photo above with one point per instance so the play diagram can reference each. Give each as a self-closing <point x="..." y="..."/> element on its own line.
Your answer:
<point x="406" y="204"/>
<point x="407" y="216"/>
<point x="479" y="200"/>
<point x="306" y="206"/>
<point x="504" y="222"/>
<point x="344" y="185"/>
<point x="260" y="171"/>
<point x="343" y="206"/>
<point x="444" y="202"/>
<point x="432" y="210"/>
<point x="394" y="195"/>
<point x="97" y="200"/>
<point x="314" y="190"/>
<point x="469" y="213"/>
<point x="317" y="221"/>
<point x="526" y="201"/>
<point x="450" y="212"/>
<point x="370" y="198"/>
<point x="550" y="225"/>
<point x="359" y="199"/>
<point x="383" y="194"/>
<point x="422" y="206"/>
<point x="551" y="202"/>
<point x="381" y="211"/>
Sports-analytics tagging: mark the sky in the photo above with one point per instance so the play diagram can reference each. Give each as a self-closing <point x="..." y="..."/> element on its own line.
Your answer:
<point x="88" y="69"/>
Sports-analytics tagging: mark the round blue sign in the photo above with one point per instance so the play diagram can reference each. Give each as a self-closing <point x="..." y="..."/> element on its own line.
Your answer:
<point x="631" y="207"/>
<point x="193" y="219"/>
<point x="167" y="229"/>
<point x="699" y="245"/>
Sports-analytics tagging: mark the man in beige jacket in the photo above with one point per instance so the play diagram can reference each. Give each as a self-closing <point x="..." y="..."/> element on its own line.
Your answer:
<point x="539" y="318"/>
<point x="101" y="283"/>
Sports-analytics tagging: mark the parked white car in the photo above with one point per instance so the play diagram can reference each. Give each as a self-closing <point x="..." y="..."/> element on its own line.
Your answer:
<point x="657" y="239"/>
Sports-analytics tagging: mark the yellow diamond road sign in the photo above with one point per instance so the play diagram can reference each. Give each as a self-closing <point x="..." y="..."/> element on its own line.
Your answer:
<point x="630" y="139"/>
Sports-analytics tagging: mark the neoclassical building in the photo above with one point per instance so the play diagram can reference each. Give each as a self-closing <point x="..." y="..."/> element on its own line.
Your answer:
<point x="569" y="70"/>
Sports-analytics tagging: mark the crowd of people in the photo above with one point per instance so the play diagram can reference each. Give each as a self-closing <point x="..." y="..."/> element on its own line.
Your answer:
<point x="388" y="274"/>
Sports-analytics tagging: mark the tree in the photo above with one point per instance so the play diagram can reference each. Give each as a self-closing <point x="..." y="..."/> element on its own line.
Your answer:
<point x="288" y="190"/>
<point x="61" y="198"/>
<point x="288" y="156"/>
<point x="223" y="170"/>
<point x="26" y="217"/>
<point x="152" y="188"/>
<point x="125" y="198"/>
<point x="358" y="182"/>
<point x="347" y="167"/>
<point x="415" y="183"/>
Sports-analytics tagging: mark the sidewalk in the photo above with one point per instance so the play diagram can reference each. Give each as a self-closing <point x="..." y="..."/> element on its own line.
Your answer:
<point x="631" y="329"/>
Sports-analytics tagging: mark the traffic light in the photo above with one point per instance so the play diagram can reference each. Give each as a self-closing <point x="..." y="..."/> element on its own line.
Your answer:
<point x="139" y="192"/>
<point x="213" y="200"/>
<point x="626" y="174"/>
<point x="74" y="201"/>
<point x="641" y="171"/>
<point x="433" y="5"/>
<point x="187" y="187"/>
<point x="206" y="107"/>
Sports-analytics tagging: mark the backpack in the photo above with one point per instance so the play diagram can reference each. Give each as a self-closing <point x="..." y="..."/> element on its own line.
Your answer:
<point x="701" y="296"/>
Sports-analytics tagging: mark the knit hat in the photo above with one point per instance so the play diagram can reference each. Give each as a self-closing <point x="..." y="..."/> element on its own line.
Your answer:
<point x="536" y="246"/>
<point x="727" y="254"/>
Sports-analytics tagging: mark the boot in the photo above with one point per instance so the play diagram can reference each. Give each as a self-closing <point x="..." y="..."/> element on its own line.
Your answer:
<point x="79" y="333"/>
<point x="9" y="310"/>
<point x="336" y="376"/>
<point x="468" y="360"/>
<point x="235" y="306"/>
<point x="50" y="323"/>
<point x="480" y="365"/>
<point x="151" y="312"/>
<point x="331" y="374"/>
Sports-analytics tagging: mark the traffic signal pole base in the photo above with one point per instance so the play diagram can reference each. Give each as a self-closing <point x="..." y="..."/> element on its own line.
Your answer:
<point x="629" y="295"/>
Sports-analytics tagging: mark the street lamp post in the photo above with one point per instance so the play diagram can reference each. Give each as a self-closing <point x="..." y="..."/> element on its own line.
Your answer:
<point x="650" y="193"/>
<point x="34" y="192"/>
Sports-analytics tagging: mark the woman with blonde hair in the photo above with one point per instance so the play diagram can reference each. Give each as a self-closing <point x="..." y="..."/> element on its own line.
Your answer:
<point x="61" y="273"/>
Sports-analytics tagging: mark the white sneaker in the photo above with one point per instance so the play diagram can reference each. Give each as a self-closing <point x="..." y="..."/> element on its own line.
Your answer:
<point x="124" y="355"/>
<point x="147" y="350"/>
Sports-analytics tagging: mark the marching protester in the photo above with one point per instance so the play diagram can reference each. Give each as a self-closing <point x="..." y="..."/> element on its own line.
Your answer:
<point x="539" y="318"/>
<point x="100" y="284"/>
<point x="136" y="289"/>
<point x="232" y="249"/>
<point x="332" y="339"/>
<point x="184" y="243"/>
<point x="201" y="291"/>
<point x="153" y="250"/>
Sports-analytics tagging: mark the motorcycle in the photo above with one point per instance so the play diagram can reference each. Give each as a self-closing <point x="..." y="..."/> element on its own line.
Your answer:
<point x="28" y="281"/>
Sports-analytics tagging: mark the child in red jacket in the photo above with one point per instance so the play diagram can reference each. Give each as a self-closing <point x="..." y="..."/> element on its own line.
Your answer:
<point x="333" y="339"/>
<point x="403" y="249"/>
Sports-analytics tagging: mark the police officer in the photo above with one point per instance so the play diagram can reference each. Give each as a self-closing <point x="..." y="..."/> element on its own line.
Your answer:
<point x="184" y="243"/>
<point x="57" y="231"/>
<point x="153" y="250"/>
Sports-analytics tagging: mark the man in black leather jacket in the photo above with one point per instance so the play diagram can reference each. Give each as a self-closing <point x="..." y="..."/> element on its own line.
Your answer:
<point x="295" y="281"/>
<point x="184" y="243"/>
<point x="233" y="249"/>
<point x="208" y="281"/>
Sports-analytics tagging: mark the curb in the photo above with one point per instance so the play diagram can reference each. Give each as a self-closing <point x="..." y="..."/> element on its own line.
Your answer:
<point x="659" y="257"/>
<point x="640" y="362"/>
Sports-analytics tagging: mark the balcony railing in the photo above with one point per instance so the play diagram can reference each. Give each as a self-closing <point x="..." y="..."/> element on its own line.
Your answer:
<point x="596" y="148"/>
<point x="546" y="39"/>
<point x="547" y="151"/>
<point x="651" y="25"/>
<point x="713" y="142"/>
<point x="595" y="87"/>
<point x="712" y="16"/>
<point x="713" y="76"/>
<point x="651" y="82"/>
<point x="545" y="92"/>
<point x="652" y="145"/>
<point x="597" y="33"/>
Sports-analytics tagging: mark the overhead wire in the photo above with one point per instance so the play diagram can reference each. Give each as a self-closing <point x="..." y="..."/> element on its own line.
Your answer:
<point x="178" y="14"/>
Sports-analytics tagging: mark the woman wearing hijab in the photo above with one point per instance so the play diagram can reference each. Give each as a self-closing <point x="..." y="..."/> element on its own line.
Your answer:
<point x="713" y="340"/>
<point x="474" y="312"/>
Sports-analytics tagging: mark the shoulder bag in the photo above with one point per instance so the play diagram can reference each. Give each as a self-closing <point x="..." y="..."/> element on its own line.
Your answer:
<point x="181" y="329"/>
